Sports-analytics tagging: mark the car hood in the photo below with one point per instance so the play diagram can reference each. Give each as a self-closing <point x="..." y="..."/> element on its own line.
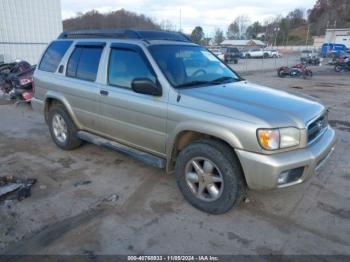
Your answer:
<point x="254" y="103"/>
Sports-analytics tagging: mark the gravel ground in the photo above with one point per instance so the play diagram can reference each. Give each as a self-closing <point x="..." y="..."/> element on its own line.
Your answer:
<point x="130" y="208"/>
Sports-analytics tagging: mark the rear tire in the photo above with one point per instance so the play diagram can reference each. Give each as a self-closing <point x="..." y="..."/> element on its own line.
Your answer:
<point x="215" y="159"/>
<point x="62" y="129"/>
<point x="281" y="73"/>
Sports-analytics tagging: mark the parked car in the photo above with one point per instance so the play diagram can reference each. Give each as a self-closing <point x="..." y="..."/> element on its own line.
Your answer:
<point x="162" y="99"/>
<point x="231" y="54"/>
<point x="310" y="57"/>
<point x="273" y="53"/>
<point x="255" y="53"/>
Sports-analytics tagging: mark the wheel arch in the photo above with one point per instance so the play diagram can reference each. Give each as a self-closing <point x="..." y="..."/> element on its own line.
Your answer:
<point x="53" y="98"/>
<point x="186" y="135"/>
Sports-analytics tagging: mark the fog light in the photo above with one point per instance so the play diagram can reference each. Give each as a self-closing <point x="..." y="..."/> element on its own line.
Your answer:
<point x="290" y="176"/>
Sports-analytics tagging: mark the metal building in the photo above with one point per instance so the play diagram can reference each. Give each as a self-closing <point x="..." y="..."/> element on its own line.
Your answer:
<point x="338" y="36"/>
<point x="26" y="27"/>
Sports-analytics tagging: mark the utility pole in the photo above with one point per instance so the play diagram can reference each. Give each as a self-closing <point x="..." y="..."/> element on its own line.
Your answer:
<point x="307" y="35"/>
<point x="277" y="29"/>
<point x="180" y="21"/>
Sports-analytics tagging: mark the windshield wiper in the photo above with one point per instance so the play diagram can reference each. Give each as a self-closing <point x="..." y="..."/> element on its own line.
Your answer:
<point x="217" y="81"/>
<point x="223" y="79"/>
<point x="194" y="83"/>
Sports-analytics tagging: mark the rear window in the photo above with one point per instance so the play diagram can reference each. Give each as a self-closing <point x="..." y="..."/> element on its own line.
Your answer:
<point x="84" y="62"/>
<point x="53" y="55"/>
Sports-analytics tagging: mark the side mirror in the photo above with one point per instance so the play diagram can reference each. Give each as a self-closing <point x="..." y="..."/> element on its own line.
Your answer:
<point x="146" y="86"/>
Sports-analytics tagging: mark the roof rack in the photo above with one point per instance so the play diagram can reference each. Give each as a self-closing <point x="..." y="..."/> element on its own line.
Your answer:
<point x="125" y="34"/>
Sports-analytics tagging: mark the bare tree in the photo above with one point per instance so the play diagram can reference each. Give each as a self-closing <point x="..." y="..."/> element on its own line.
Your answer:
<point x="218" y="36"/>
<point x="167" y="25"/>
<point x="243" y="22"/>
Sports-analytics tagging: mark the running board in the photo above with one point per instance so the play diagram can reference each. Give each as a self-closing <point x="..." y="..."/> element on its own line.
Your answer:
<point x="147" y="158"/>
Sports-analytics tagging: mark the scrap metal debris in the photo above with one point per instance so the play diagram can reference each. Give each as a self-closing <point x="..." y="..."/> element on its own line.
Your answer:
<point x="11" y="184"/>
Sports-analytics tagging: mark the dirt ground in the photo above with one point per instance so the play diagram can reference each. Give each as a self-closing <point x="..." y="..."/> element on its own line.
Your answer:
<point x="130" y="208"/>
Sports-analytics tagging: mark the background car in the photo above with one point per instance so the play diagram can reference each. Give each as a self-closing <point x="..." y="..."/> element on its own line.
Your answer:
<point x="274" y="53"/>
<point x="310" y="57"/>
<point x="231" y="54"/>
<point x="255" y="53"/>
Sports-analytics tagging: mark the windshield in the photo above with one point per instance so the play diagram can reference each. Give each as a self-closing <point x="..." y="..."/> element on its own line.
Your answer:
<point x="191" y="66"/>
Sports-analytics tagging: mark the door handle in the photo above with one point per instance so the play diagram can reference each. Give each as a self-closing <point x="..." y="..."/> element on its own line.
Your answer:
<point x="104" y="93"/>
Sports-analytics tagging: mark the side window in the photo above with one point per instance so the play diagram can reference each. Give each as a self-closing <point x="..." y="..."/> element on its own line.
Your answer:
<point x="84" y="62"/>
<point x="53" y="55"/>
<point x="73" y="62"/>
<point x="125" y="66"/>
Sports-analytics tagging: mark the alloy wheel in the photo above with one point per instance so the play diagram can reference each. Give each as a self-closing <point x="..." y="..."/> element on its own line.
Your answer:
<point x="204" y="179"/>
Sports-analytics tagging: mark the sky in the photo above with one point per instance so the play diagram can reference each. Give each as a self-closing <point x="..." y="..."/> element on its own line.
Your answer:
<point x="209" y="14"/>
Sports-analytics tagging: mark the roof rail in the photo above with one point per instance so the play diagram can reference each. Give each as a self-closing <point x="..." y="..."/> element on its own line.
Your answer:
<point x="125" y="34"/>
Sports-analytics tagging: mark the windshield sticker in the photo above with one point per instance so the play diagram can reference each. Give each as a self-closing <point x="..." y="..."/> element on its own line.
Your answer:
<point x="183" y="54"/>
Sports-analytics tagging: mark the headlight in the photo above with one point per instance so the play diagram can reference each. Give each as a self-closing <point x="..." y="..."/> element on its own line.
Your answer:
<point x="273" y="139"/>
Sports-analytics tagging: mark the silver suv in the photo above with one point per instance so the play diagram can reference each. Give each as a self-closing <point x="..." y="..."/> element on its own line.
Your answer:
<point x="162" y="99"/>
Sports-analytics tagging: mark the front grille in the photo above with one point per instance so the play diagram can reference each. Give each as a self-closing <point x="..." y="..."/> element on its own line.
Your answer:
<point x="317" y="127"/>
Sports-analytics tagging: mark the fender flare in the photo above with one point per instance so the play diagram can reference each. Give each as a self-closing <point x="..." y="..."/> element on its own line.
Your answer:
<point x="59" y="97"/>
<point x="205" y="128"/>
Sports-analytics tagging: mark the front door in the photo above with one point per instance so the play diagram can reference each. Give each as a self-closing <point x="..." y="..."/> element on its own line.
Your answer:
<point x="131" y="118"/>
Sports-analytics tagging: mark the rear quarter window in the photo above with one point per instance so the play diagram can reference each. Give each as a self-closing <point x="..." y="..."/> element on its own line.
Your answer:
<point x="53" y="55"/>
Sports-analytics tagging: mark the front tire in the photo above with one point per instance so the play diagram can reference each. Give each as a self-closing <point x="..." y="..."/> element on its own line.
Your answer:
<point x="209" y="176"/>
<point x="338" y="68"/>
<point x="62" y="129"/>
<point x="308" y="74"/>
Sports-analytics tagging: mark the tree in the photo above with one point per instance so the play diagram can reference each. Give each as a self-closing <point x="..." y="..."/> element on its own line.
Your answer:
<point x="218" y="36"/>
<point x="116" y="19"/>
<point x="232" y="31"/>
<point x="237" y="29"/>
<point x="296" y="18"/>
<point x="254" y="29"/>
<point x="242" y="22"/>
<point x="197" y="35"/>
<point x="167" y="25"/>
<point x="329" y="14"/>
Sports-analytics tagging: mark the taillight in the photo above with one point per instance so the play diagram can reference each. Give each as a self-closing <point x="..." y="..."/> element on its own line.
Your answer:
<point x="25" y="81"/>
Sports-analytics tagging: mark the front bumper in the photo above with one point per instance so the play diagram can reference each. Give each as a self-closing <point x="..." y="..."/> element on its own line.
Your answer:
<point x="262" y="171"/>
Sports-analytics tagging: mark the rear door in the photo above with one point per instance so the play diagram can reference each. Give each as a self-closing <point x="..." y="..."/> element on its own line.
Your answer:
<point x="79" y="83"/>
<point x="131" y="118"/>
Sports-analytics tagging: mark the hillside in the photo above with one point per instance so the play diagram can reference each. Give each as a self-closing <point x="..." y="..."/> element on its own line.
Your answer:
<point x="116" y="19"/>
<point x="329" y="14"/>
<point x="297" y="36"/>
